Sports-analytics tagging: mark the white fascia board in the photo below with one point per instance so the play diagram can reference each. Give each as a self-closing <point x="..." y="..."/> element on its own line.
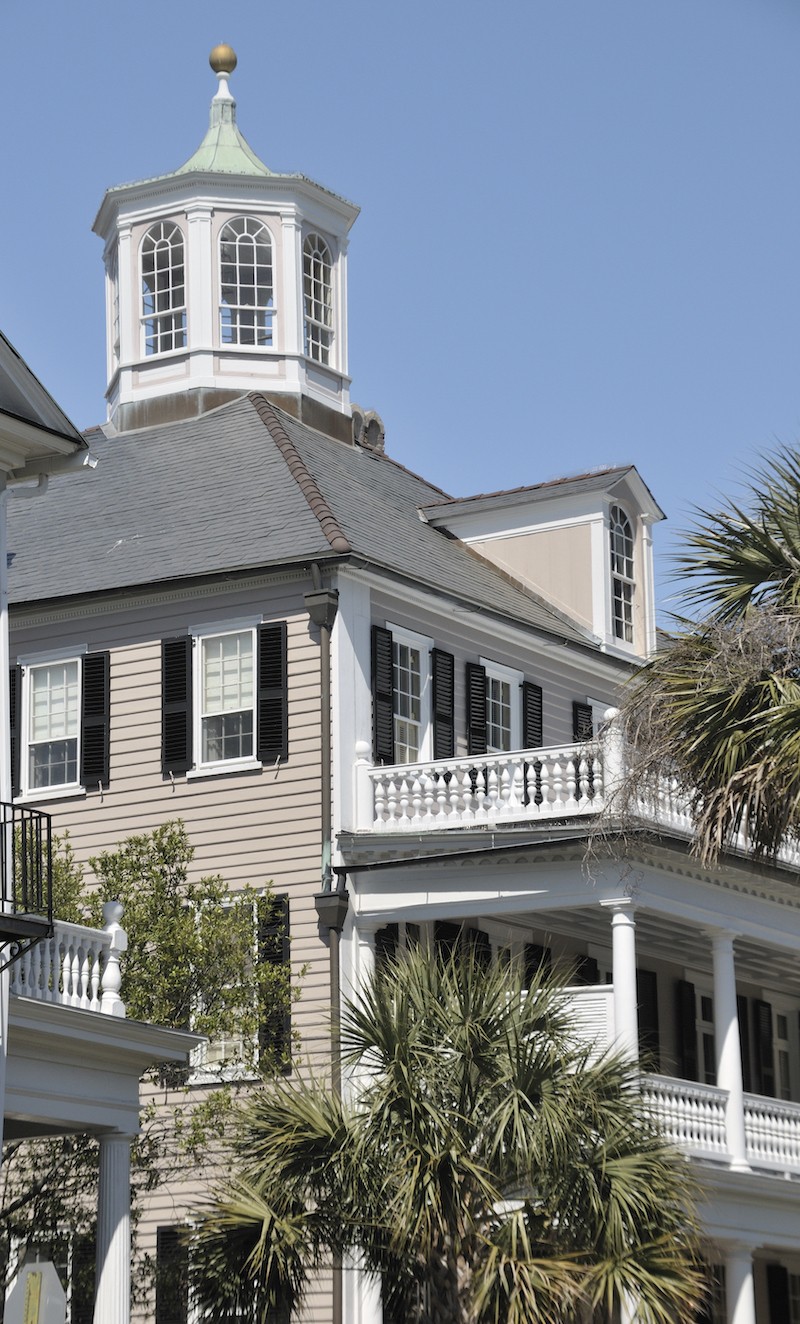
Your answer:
<point x="151" y="198"/>
<point x="597" y="664"/>
<point x="521" y="518"/>
<point x="646" y="503"/>
<point x="135" y="1045"/>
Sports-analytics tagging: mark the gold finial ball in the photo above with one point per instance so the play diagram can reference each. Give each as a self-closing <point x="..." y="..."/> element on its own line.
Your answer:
<point x="223" y="59"/>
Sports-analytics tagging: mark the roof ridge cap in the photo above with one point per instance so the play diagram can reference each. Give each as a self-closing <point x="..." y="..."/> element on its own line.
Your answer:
<point x="305" y="480"/>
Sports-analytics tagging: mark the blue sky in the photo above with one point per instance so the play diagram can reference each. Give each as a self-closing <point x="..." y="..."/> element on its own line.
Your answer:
<point x="579" y="242"/>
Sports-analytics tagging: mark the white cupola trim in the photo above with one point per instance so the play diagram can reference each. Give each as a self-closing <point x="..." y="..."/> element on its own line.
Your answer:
<point x="225" y="277"/>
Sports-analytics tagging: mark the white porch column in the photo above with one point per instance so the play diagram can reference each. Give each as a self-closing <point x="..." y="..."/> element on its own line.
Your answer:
<point x="623" y="946"/>
<point x="113" y="1295"/>
<point x="740" y="1294"/>
<point x="727" y="1044"/>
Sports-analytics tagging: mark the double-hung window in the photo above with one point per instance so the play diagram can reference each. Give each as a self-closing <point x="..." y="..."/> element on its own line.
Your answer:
<point x="227" y="696"/>
<point x="60" y="723"/>
<point x="224" y="698"/>
<point x="502" y="707"/>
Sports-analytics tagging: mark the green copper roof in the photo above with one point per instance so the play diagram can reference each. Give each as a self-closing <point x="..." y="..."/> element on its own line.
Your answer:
<point x="223" y="150"/>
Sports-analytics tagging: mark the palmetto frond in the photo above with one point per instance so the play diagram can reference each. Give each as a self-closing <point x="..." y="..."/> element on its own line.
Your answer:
<point x="483" y="1159"/>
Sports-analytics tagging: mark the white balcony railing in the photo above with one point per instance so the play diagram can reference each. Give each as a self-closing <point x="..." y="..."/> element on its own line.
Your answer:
<point x="75" y="967"/>
<point x="493" y="788"/>
<point x="772" y="1132"/>
<point x="692" y="1115"/>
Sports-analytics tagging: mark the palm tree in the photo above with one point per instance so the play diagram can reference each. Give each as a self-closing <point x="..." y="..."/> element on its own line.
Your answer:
<point x="487" y="1168"/>
<point x="719" y="705"/>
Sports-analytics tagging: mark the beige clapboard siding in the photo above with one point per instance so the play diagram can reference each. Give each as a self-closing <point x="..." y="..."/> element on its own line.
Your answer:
<point x="252" y="828"/>
<point x="469" y="637"/>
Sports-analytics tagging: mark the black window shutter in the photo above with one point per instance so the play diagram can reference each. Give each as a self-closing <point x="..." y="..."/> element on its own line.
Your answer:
<point x="273" y="949"/>
<point x="382" y="695"/>
<point x="14" y="698"/>
<point x="764" y="1061"/>
<point x="532" y="737"/>
<point x="444" y="735"/>
<point x="587" y="970"/>
<point x="647" y="998"/>
<point x="172" y="1277"/>
<point x="176" y="704"/>
<point x="445" y="937"/>
<point x="95" y="720"/>
<point x="778" y="1294"/>
<point x="535" y="959"/>
<point x="744" y="1041"/>
<point x="476" y="708"/>
<point x="687" y="1029"/>
<point x="479" y="944"/>
<point x="386" y="943"/>
<point x="82" y="1278"/>
<point x="582" y="724"/>
<point x="273" y="725"/>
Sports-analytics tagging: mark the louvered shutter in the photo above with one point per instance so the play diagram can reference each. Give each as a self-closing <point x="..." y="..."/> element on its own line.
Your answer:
<point x="778" y="1294"/>
<point x="273" y="949"/>
<point x="687" y="1029"/>
<point x="172" y="1277"/>
<point x="476" y="708"/>
<point x="532" y="711"/>
<point x="587" y="970"/>
<point x="176" y="705"/>
<point x="82" y="1278"/>
<point x="445" y="937"/>
<point x="95" y="720"/>
<point x="444" y="737"/>
<point x="382" y="695"/>
<point x="536" y="958"/>
<point x="647" y="999"/>
<point x="273" y="725"/>
<point x="744" y="1041"/>
<point x="764" y="1059"/>
<point x="582" y="724"/>
<point x="14" y="704"/>
<point x="386" y="943"/>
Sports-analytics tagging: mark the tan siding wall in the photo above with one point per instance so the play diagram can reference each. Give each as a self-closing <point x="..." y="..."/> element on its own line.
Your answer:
<point x="250" y="827"/>
<point x="554" y="562"/>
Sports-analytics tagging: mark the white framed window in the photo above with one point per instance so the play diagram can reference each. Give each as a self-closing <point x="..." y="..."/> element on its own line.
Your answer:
<point x="411" y="702"/>
<point x="503" y="711"/>
<point x="226" y="696"/>
<point x="785" y="1048"/>
<point x="317" y="298"/>
<point x="622" y="574"/>
<point x="53" y="725"/>
<point x="247" y="294"/>
<point x="163" y="289"/>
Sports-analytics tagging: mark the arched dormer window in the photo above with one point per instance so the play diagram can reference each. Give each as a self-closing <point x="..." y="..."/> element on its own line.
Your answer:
<point x="247" y="306"/>
<point x="622" y="578"/>
<point x="163" y="289"/>
<point x="317" y="298"/>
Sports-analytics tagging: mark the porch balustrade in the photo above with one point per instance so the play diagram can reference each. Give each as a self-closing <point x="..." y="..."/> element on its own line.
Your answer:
<point x="692" y="1116"/>
<point x="445" y="793"/>
<point x="76" y="967"/>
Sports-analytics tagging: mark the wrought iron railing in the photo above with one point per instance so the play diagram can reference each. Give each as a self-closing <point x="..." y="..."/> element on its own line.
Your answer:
<point x="26" y="867"/>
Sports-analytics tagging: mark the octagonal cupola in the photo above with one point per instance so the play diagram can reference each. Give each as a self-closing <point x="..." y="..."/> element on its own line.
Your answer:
<point x="225" y="277"/>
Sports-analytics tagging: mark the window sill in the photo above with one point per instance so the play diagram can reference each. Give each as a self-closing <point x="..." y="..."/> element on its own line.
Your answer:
<point x="224" y="769"/>
<point x="48" y="793"/>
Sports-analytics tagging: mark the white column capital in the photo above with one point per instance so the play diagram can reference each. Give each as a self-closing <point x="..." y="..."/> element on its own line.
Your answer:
<point x="720" y="937"/>
<point x="622" y="907"/>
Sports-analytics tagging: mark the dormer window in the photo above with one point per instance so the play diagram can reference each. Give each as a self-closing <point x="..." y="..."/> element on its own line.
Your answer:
<point x="247" y="308"/>
<point x="317" y="298"/>
<point x="163" y="289"/>
<point x="622" y="580"/>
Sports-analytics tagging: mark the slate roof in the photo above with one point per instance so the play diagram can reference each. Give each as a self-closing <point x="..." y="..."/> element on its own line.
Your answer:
<point x="243" y="487"/>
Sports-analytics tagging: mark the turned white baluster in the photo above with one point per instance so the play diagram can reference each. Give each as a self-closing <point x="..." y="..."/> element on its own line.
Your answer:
<point x="112" y="1004"/>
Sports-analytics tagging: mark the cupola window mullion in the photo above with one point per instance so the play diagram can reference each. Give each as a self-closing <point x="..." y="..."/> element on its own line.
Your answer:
<point x="317" y="298"/>
<point x="247" y="308"/>
<point x="163" y="289"/>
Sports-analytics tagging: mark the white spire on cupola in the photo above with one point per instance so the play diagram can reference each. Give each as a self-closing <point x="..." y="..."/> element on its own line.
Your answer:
<point x="224" y="150"/>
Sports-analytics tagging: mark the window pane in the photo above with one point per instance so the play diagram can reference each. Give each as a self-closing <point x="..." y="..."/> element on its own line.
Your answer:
<point x="53" y="715"/>
<point x="498" y="714"/>
<point x="227" y="696"/>
<point x="407" y="703"/>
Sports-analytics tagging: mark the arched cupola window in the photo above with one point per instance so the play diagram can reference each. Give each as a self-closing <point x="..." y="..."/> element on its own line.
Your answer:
<point x="163" y="289"/>
<point x="622" y="573"/>
<point x="247" y="307"/>
<point x="317" y="298"/>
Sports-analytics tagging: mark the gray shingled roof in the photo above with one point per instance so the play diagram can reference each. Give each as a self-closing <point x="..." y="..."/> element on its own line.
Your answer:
<point x="221" y="493"/>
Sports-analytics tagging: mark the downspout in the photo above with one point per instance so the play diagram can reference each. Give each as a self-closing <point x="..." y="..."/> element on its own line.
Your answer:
<point x="331" y="905"/>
